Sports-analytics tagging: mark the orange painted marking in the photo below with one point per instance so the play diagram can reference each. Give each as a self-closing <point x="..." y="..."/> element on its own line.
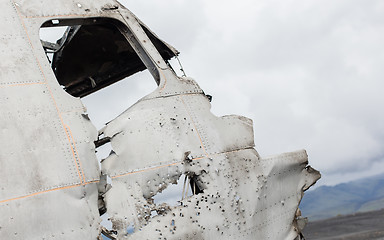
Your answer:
<point x="146" y="170"/>
<point x="74" y="152"/>
<point x="78" y="157"/>
<point x="47" y="191"/>
<point x="21" y="84"/>
<point x="194" y="126"/>
<point x="172" y="164"/>
<point x="153" y="168"/>
<point x="165" y="81"/>
<point x="63" y="16"/>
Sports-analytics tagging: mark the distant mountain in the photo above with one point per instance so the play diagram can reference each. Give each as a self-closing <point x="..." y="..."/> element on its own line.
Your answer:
<point x="357" y="196"/>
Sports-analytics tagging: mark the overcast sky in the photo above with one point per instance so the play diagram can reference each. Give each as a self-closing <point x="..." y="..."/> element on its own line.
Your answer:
<point x="309" y="74"/>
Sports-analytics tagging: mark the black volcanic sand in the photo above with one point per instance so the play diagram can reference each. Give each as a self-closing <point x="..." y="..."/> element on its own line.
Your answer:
<point x="359" y="226"/>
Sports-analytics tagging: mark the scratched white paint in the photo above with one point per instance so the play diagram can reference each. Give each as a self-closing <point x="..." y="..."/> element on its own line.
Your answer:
<point x="49" y="172"/>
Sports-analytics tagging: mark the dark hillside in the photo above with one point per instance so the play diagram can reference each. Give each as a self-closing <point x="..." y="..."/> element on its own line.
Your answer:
<point x="346" y="198"/>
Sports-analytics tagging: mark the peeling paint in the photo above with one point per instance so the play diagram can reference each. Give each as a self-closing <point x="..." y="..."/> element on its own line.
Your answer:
<point x="243" y="195"/>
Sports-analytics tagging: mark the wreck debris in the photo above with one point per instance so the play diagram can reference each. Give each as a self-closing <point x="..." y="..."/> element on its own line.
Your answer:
<point x="49" y="167"/>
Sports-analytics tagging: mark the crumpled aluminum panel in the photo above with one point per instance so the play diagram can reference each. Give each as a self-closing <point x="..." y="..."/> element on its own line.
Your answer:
<point x="48" y="167"/>
<point x="166" y="135"/>
<point x="49" y="171"/>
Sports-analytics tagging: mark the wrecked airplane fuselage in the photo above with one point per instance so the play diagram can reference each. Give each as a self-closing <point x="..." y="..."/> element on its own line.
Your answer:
<point x="51" y="184"/>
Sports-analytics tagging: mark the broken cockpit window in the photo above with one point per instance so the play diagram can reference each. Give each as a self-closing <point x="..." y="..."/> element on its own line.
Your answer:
<point x="94" y="53"/>
<point x="90" y="54"/>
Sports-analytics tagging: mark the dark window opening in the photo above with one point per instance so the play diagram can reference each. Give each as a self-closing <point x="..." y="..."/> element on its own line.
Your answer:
<point x="93" y="53"/>
<point x="195" y="186"/>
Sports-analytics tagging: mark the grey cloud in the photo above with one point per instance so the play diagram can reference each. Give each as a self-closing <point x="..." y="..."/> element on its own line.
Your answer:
<point x="309" y="73"/>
